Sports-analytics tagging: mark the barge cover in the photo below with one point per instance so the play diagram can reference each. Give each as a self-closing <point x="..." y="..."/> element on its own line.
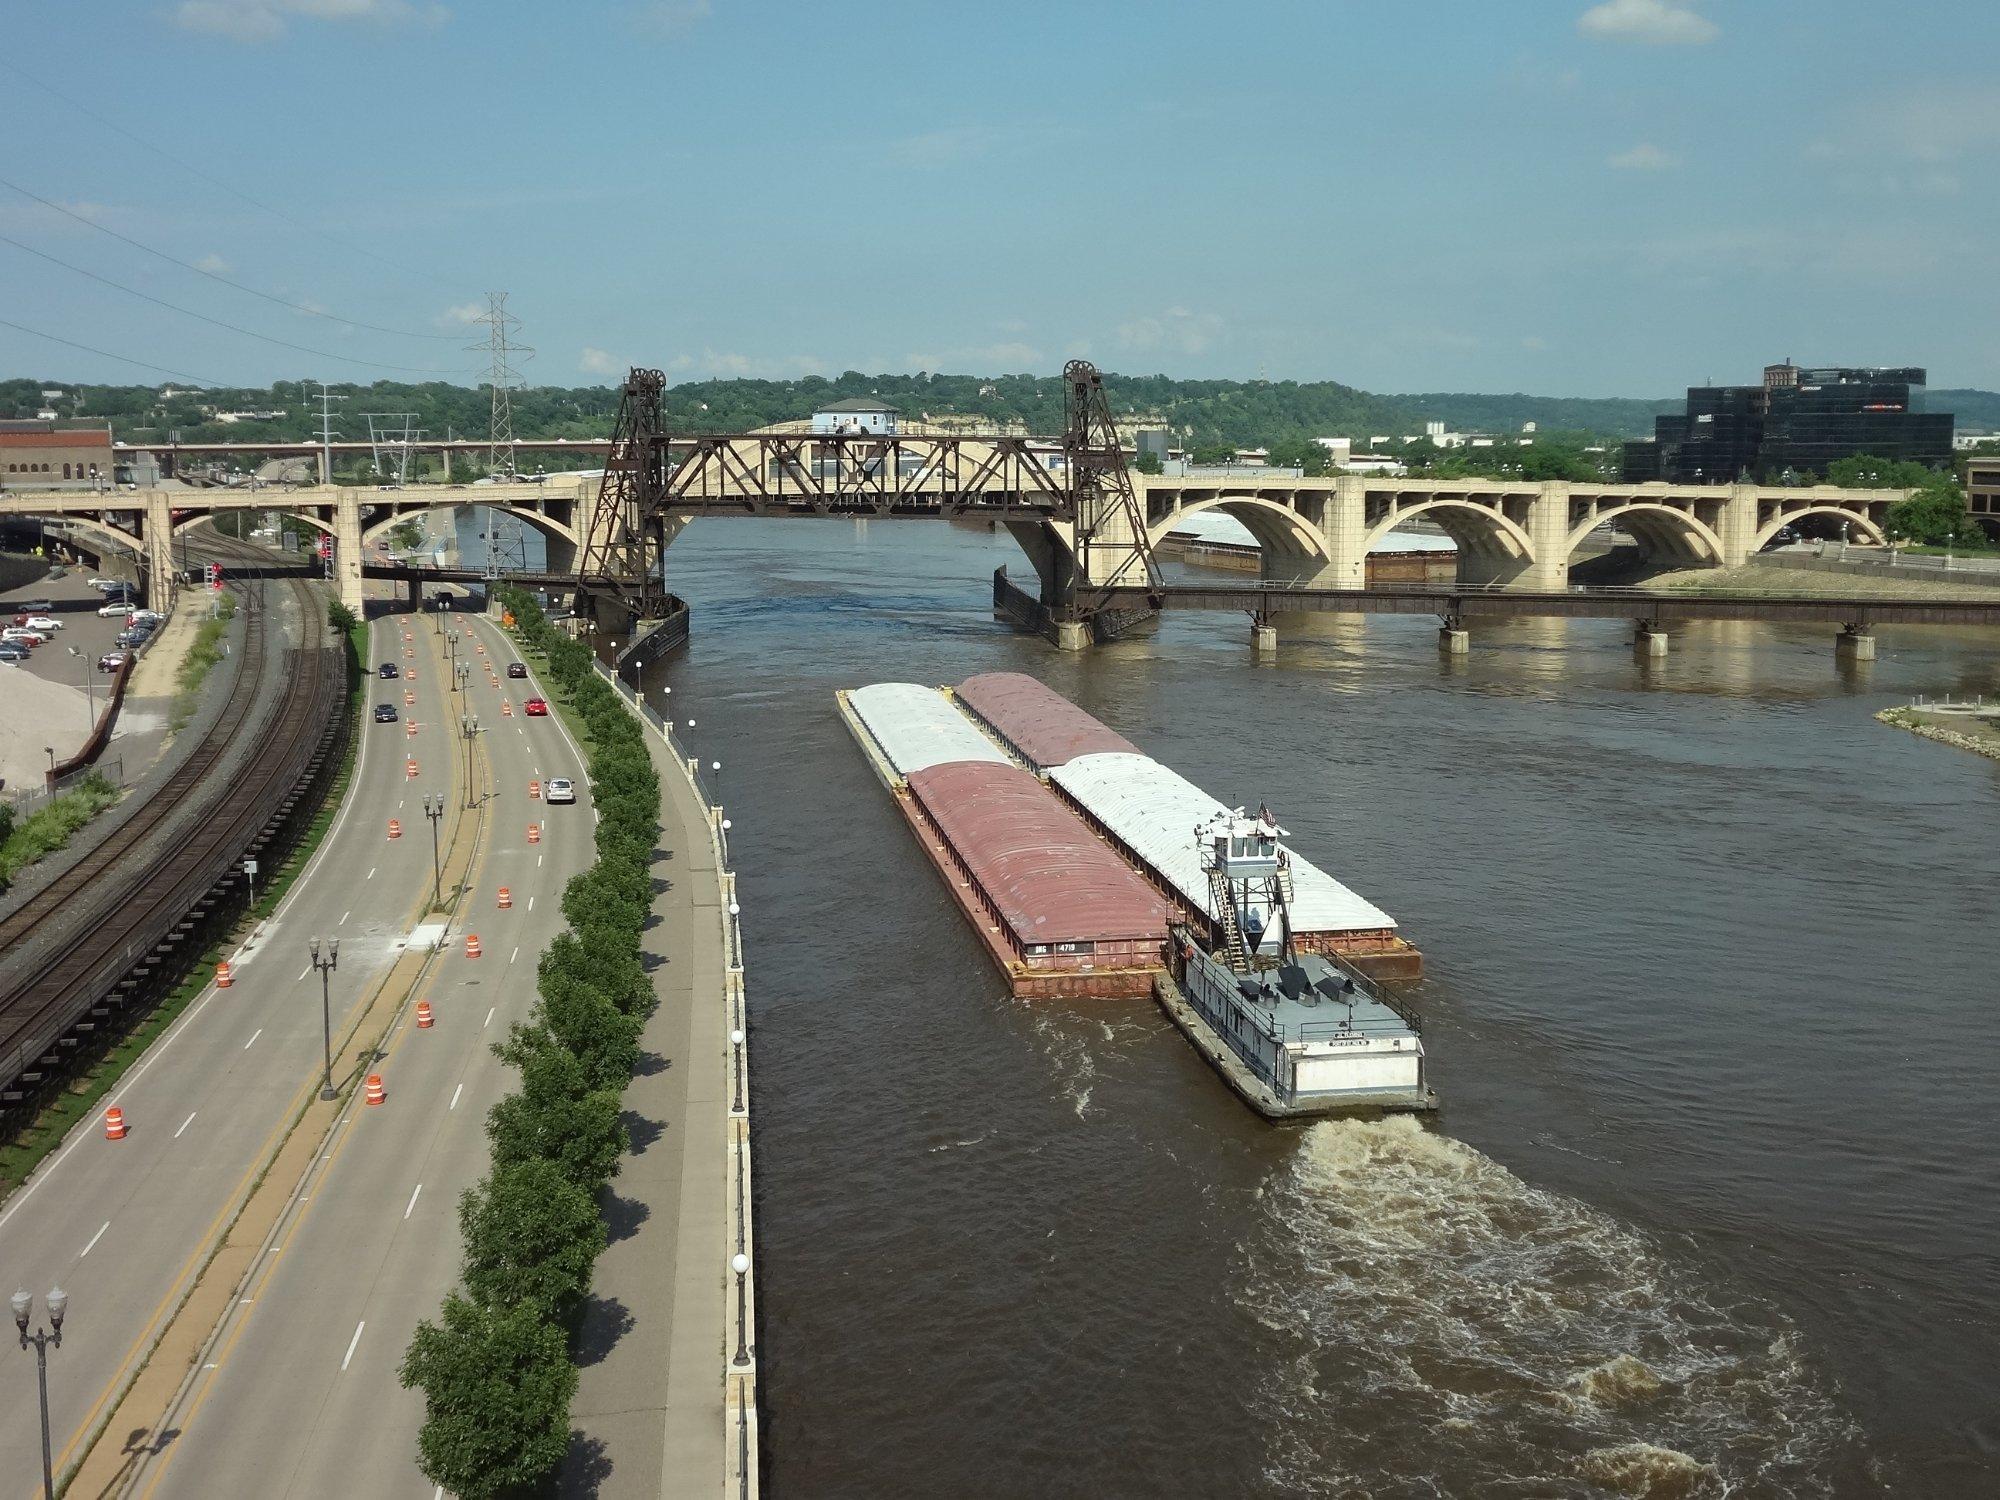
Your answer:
<point x="1044" y="728"/>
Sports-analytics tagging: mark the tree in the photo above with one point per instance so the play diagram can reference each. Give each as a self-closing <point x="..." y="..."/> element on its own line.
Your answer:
<point x="1213" y="453"/>
<point x="1148" y="462"/>
<point x="1300" y="453"/>
<point x="1865" y="471"/>
<point x="497" y="1385"/>
<point x="340" y="617"/>
<point x="1935" y="516"/>
<point x="531" y="1237"/>
<point x="556" y="1115"/>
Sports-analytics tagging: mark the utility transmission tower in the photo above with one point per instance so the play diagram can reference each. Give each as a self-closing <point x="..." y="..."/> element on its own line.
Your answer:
<point x="391" y="435"/>
<point x="326" y="432"/>
<point x="504" y="354"/>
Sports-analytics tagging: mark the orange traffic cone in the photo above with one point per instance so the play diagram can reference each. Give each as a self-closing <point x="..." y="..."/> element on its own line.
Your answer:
<point x="534" y="833"/>
<point x="472" y="945"/>
<point x="395" y="828"/>
<point x="506" y="899"/>
<point x="376" y="1093"/>
<point x="114" y="1124"/>
<point x="223" y="977"/>
<point x="424" y="1019"/>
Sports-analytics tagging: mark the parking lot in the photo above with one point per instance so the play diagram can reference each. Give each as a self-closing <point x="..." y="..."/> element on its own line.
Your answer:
<point x="81" y="628"/>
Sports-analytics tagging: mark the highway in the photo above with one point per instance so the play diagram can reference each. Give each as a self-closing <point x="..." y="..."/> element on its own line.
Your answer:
<point x="299" y="1394"/>
<point x="124" y="1226"/>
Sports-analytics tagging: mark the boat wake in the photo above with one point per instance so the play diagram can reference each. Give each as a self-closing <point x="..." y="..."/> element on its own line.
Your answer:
<point x="1448" y="1329"/>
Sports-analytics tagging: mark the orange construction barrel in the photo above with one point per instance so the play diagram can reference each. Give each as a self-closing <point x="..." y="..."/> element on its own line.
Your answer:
<point x="506" y="899"/>
<point x="472" y="945"/>
<point x="376" y="1093"/>
<point x="224" y="977"/>
<point x="424" y="1018"/>
<point x="534" y="833"/>
<point x="114" y="1124"/>
<point x="395" y="828"/>
<point x="535" y="790"/>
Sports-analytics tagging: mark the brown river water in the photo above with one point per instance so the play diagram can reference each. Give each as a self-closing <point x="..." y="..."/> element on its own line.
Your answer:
<point x="1713" y="1204"/>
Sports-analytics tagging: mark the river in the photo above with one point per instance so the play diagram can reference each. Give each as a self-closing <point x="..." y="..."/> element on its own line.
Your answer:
<point x="1712" y="1206"/>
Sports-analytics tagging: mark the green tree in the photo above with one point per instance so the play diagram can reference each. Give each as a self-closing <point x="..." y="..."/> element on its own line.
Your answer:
<point x="1865" y="471"/>
<point x="531" y="1237"/>
<point x="556" y="1115"/>
<point x="1148" y="462"/>
<point x="1300" y="453"/>
<point x="340" y="617"/>
<point x="497" y="1385"/>
<point x="1935" y="516"/>
<point x="1213" y="453"/>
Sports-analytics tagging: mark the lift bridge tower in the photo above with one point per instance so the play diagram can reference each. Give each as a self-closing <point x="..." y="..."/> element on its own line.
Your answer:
<point x="621" y="570"/>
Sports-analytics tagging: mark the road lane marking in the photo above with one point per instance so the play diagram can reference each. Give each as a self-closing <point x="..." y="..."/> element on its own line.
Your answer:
<point x="352" y="1342"/>
<point x="185" y="1123"/>
<point x="371" y="872"/>
<point x="489" y="1019"/>
<point x="514" y="955"/>
<point x="531" y="905"/>
<point x="413" y="1199"/>
<point x="538" y="861"/>
<point x="454" y="1099"/>
<point x="93" y="1241"/>
<point x="253" y="1037"/>
<point x="302" y="974"/>
<point x="344" y="916"/>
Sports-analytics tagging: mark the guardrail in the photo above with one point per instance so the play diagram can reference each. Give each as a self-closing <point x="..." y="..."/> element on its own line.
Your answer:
<point x="739" y="1372"/>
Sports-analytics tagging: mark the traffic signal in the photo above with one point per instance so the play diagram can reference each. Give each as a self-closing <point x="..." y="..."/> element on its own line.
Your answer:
<point x="215" y="575"/>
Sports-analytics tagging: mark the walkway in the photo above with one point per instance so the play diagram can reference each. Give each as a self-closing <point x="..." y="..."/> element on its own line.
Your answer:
<point x="649" y="1407"/>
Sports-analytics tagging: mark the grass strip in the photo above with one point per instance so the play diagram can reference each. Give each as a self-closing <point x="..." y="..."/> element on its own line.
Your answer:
<point x="49" y="828"/>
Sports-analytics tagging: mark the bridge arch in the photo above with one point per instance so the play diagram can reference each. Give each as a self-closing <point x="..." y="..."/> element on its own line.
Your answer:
<point x="123" y="541"/>
<point x="1865" y="525"/>
<point x="1292" y="546"/>
<point x="563" y="541"/>
<point x="1492" y="546"/>
<point x="1661" y="530"/>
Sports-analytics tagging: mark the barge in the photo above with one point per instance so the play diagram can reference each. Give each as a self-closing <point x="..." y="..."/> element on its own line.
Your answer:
<point x="1147" y="811"/>
<point x="1056" y="908"/>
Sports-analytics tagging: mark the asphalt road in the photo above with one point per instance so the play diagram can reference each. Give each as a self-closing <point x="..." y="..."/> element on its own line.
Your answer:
<point x="122" y="1226"/>
<point x="302" y="1396"/>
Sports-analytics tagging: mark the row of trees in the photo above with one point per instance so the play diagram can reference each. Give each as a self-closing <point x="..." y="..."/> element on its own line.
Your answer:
<point x="496" y="1368"/>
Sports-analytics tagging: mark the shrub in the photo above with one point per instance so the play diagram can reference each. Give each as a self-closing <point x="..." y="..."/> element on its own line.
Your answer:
<point x="497" y="1384"/>
<point x="531" y="1238"/>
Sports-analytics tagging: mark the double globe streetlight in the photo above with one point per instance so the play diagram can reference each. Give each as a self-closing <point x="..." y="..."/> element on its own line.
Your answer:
<point x="40" y="1341"/>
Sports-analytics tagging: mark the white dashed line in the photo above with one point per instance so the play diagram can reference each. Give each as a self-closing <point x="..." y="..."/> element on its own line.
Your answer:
<point x="514" y="955"/>
<point x="538" y="861"/>
<point x="531" y="904"/>
<point x="489" y="1019"/>
<point x="344" y="916"/>
<point x="253" y="1037"/>
<point x="454" y="1097"/>
<point x="371" y="872"/>
<point x="185" y="1123"/>
<point x="352" y="1342"/>
<point x="302" y="973"/>
<point x="93" y="1241"/>
<point x="407" y="1207"/>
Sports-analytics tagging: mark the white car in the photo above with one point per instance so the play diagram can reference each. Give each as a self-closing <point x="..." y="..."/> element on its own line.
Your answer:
<point x="106" y="583"/>
<point x="43" y="623"/>
<point x="145" y="617"/>
<point x="24" y="636"/>
<point x="116" y="607"/>
<point x="561" y="789"/>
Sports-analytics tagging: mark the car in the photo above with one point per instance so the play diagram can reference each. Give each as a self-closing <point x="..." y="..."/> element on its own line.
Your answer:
<point x="58" y="571"/>
<point x="13" y="651"/>
<point x="33" y="606"/>
<point x="517" y="669"/>
<point x="38" y="622"/>
<point x="111" y="661"/>
<point x="560" y="789"/>
<point x="536" y="708"/>
<point x="130" y="638"/>
<point x="22" y="636"/>
<point x="385" y="713"/>
<point x="115" y="607"/>
<point x="389" y="670"/>
<point x="145" y="617"/>
<point x="104" y="583"/>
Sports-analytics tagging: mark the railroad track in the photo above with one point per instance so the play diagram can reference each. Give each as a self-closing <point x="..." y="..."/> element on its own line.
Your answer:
<point x="117" y="908"/>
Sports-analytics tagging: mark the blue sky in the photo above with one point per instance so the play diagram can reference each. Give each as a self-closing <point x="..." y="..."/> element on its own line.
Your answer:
<point x="1566" y="198"/>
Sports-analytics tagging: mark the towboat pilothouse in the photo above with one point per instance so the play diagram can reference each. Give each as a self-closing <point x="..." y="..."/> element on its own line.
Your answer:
<point x="1295" y="1033"/>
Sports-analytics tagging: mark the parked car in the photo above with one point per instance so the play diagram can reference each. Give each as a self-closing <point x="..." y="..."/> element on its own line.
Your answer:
<point x="106" y="584"/>
<point x="38" y="622"/>
<point x="561" y="789"/>
<point x="517" y="669"/>
<point x="389" y="669"/>
<point x="58" y="571"/>
<point x="130" y="638"/>
<point x="33" y="606"/>
<point x="21" y="635"/>
<point x="536" y="708"/>
<point x="385" y="713"/>
<point x="13" y="651"/>
<point x="144" y="617"/>
<point x="111" y="661"/>
<point x="115" y="607"/>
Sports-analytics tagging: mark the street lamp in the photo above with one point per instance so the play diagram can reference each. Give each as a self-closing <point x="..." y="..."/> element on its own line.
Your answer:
<point x="39" y="1341"/>
<point x="326" y="967"/>
<point x="736" y="1041"/>
<point x="740" y="1264"/>
<point x="434" y="810"/>
<point x="468" y="725"/>
<point x="89" y="684"/>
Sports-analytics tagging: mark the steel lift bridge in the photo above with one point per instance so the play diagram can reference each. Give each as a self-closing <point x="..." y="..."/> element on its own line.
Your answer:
<point x="1068" y="501"/>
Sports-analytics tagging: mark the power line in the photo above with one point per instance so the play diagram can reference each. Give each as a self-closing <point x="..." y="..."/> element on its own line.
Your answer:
<point x="188" y="312"/>
<point x="190" y="168"/>
<point x="188" y="265"/>
<point x="107" y="354"/>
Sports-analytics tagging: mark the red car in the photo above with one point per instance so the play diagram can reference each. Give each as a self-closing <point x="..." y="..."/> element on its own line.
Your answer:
<point x="536" y="708"/>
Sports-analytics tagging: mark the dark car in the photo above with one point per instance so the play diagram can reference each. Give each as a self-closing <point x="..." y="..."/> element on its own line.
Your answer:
<point x="389" y="669"/>
<point x="9" y="651"/>
<point x="385" y="713"/>
<point x="535" y="708"/>
<point x="111" y="661"/>
<point x="517" y="669"/>
<point x="129" y="638"/>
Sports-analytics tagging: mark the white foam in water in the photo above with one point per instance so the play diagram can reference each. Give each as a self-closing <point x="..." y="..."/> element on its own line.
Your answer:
<point x="1444" y="1328"/>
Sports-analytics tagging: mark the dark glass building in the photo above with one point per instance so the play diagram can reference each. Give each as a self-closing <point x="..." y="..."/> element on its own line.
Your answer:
<point x="1797" y="422"/>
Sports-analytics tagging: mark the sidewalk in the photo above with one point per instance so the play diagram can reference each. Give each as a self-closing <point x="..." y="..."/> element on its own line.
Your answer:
<point x="649" y="1408"/>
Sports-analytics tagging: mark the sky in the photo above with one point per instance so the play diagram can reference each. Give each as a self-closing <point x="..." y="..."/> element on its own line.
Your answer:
<point x="1552" y="196"/>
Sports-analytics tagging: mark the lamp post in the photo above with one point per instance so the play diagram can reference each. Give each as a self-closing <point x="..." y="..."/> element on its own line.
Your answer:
<point x="89" y="686"/>
<point x="468" y="725"/>
<point x="434" y="810"/>
<point x="740" y="1264"/>
<point x="40" y="1341"/>
<point x="736" y="1041"/>
<point x="326" y="967"/>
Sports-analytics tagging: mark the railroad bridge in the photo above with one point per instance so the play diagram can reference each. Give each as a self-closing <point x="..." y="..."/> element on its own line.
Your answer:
<point x="1087" y="524"/>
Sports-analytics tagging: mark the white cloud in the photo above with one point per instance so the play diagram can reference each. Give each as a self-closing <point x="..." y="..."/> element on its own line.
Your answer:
<point x="462" y="315"/>
<point x="212" y="262"/>
<point x="1644" y="157"/>
<point x="597" y="362"/>
<point x="1650" y="23"/>
<point x="666" y="18"/>
<point x="1177" y="330"/>
<point x="252" y="21"/>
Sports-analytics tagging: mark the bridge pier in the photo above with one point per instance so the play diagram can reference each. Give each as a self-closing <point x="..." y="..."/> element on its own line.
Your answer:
<point x="1453" y="638"/>
<point x="1854" y="643"/>
<point x="1647" y="641"/>
<point x="1263" y="636"/>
